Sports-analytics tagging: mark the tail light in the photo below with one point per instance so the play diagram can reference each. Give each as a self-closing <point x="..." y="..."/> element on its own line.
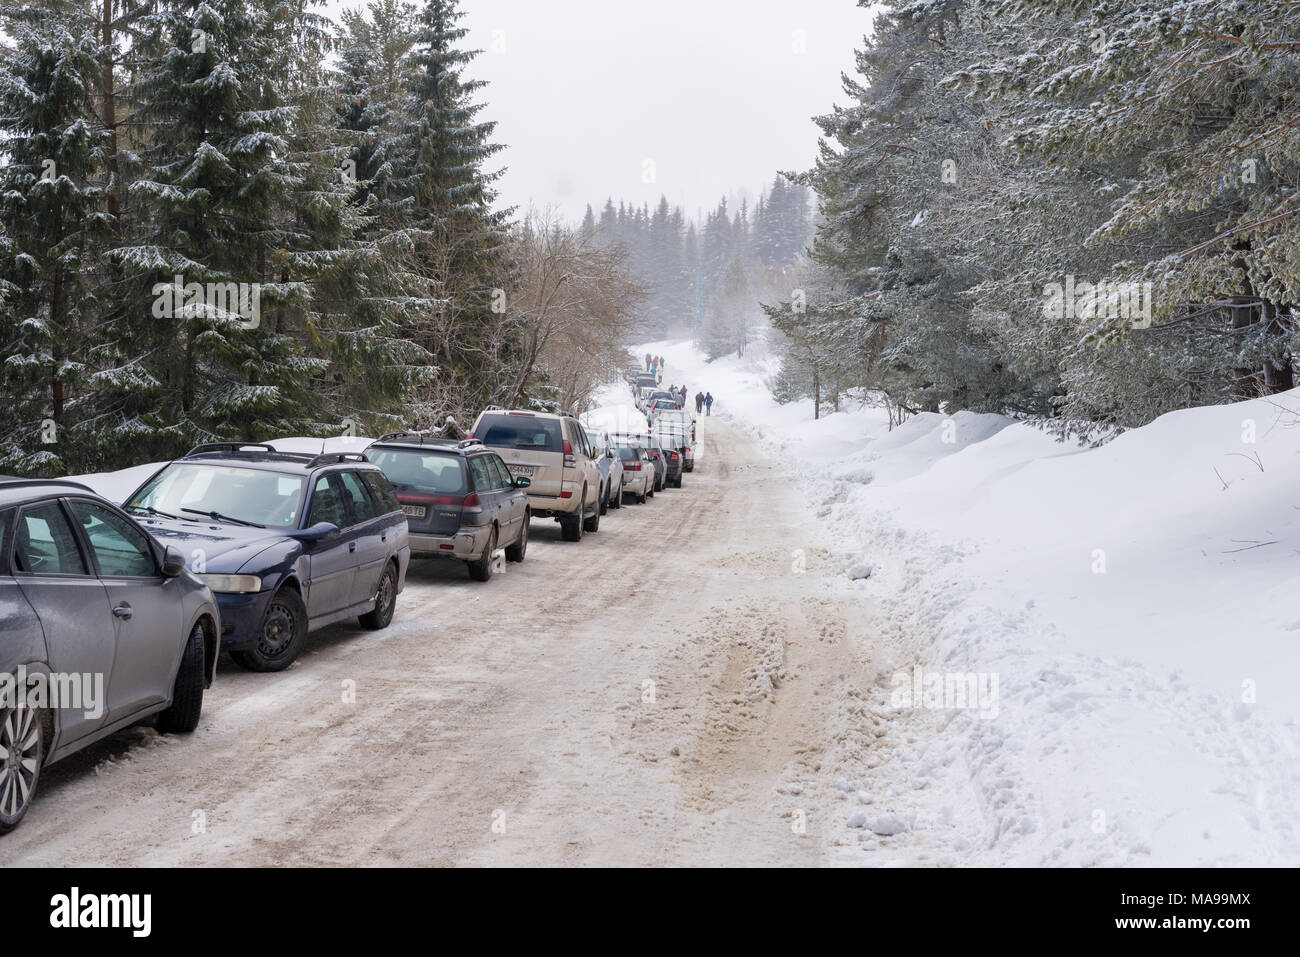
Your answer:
<point x="635" y="467"/>
<point x="672" y="456"/>
<point x="471" y="501"/>
<point x="570" y="461"/>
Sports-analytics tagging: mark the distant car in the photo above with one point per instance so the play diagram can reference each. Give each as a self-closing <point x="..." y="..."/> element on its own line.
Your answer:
<point x="646" y="441"/>
<point x="638" y="472"/>
<point x="460" y="500"/>
<point x="90" y="602"/>
<point x="683" y="441"/>
<point x="550" y="449"/>
<point x="611" y="469"/>
<point x="670" y="447"/>
<point x="643" y="395"/>
<point x="677" y="417"/>
<point x="290" y="542"/>
<point x="659" y="404"/>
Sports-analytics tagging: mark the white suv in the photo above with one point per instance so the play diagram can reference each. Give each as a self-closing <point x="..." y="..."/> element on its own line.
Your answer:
<point x="551" y="450"/>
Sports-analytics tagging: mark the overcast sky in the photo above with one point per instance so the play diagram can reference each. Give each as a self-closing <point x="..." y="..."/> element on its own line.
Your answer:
<point x="704" y="97"/>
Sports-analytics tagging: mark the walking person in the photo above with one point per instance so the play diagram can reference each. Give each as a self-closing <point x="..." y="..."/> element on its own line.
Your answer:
<point x="682" y="402"/>
<point x="648" y="357"/>
<point x="699" y="402"/>
<point x="708" y="403"/>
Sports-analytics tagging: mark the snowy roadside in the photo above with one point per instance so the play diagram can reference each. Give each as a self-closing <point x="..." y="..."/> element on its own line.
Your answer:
<point x="1130" y="602"/>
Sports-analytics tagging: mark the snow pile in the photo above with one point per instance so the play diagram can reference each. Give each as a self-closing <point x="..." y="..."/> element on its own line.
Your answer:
<point x="1135" y="603"/>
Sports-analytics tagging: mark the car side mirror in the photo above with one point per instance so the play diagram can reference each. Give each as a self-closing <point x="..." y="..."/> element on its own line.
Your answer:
<point x="523" y="481"/>
<point x="173" y="562"/>
<point x="321" y="531"/>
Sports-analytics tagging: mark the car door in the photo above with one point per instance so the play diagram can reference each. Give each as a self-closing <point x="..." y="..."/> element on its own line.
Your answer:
<point x="55" y="576"/>
<point x="368" y="533"/>
<point x="146" y="608"/>
<point x="331" y="564"/>
<point x="486" y="486"/>
<point x="512" y="500"/>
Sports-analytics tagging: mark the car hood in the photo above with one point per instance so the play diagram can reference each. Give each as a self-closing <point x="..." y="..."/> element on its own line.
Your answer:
<point x="221" y="548"/>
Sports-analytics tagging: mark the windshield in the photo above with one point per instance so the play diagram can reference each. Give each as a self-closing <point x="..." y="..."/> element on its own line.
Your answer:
<point x="430" y="471"/>
<point x="222" y="493"/>
<point x="520" y="432"/>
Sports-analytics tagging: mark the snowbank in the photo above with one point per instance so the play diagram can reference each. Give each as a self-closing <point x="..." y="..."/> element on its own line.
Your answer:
<point x="1134" y="601"/>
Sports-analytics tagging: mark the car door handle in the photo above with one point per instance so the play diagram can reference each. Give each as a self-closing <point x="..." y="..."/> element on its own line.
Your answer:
<point x="352" y="546"/>
<point x="123" y="611"/>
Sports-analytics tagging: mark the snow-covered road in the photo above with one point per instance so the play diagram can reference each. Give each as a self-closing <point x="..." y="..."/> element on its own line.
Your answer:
<point x="668" y="691"/>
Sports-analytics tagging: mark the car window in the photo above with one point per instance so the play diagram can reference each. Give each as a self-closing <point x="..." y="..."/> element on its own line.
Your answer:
<point x="327" y="503"/>
<point x="382" y="490"/>
<point x="522" y="432"/>
<point x="627" y="453"/>
<point x="185" y="489"/>
<point x="431" y="471"/>
<point x="484" y="479"/>
<point x="504" y="478"/>
<point x="44" y="543"/>
<point x="119" y="547"/>
<point x="354" y="490"/>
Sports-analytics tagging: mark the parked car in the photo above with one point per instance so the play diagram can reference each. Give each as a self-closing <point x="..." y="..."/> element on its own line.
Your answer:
<point x="638" y="471"/>
<point x="684" y="442"/>
<point x="670" y="447"/>
<point x="643" y="395"/>
<point x="460" y="500"/>
<point x="676" y="417"/>
<point x="659" y="404"/>
<point x="290" y="542"/>
<point x="90" y="600"/>
<point x="550" y="449"/>
<point x="646" y="441"/>
<point x="611" y="469"/>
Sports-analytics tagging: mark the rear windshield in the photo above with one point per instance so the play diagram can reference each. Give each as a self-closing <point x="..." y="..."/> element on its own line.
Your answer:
<point x="520" y="432"/>
<point x="430" y="471"/>
<point x="627" y="454"/>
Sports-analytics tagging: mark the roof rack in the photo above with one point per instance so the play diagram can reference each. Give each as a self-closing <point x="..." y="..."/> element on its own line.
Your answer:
<point x="208" y="447"/>
<point x="425" y="438"/>
<point x="10" y="481"/>
<point x="334" y="458"/>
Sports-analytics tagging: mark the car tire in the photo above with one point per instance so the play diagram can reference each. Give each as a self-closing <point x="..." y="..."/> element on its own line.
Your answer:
<point x="604" y="500"/>
<point x="381" y="616"/>
<point x="571" y="526"/>
<point x="592" y="524"/>
<point x="616" y="499"/>
<point x="481" y="568"/>
<point x="641" y="499"/>
<point x="22" y="736"/>
<point x="274" y="650"/>
<point x="182" y="716"/>
<point x="517" y="551"/>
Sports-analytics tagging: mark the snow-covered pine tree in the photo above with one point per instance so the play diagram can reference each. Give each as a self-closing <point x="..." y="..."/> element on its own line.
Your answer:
<point x="448" y="202"/>
<point x="50" y="227"/>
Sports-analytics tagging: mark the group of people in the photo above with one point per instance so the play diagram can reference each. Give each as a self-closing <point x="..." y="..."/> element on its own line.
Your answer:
<point x="703" y="400"/>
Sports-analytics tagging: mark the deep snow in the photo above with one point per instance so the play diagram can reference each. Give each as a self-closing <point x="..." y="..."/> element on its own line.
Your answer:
<point x="1134" y="601"/>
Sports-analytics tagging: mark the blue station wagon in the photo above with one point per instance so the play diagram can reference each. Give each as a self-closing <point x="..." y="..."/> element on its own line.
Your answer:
<point x="289" y="542"/>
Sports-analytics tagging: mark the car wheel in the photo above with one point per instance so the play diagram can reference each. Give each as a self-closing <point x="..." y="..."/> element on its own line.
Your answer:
<point x="571" y="526"/>
<point x="481" y="569"/>
<point x="616" y="499"/>
<point x="604" y="500"/>
<point x="517" y="551"/>
<point x="381" y="616"/>
<point x="22" y="751"/>
<point x="282" y="636"/>
<point x="592" y="524"/>
<point x="187" y="693"/>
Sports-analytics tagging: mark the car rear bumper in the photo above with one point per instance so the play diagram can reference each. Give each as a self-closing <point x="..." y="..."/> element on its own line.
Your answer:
<point x="466" y="544"/>
<point x="552" y="506"/>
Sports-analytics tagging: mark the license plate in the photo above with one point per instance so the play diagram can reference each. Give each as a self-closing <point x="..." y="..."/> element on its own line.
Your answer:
<point x="525" y="470"/>
<point x="413" y="511"/>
